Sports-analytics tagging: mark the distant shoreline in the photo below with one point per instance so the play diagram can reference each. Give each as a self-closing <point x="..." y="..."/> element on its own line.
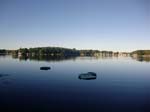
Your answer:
<point x="60" y="51"/>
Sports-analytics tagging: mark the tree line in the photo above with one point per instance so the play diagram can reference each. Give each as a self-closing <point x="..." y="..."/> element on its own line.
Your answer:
<point x="2" y="51"/>
<point x="57" y="51"/>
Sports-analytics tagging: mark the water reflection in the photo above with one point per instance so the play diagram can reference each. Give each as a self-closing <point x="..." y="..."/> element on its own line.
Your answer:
<point x="2" y="54"/>
<point x="44" y="58"/>
<point x="142" y="59"/>
<point x="58" y="58"/>
<point x="123" y="88"/>
<point x="62" y="58"/>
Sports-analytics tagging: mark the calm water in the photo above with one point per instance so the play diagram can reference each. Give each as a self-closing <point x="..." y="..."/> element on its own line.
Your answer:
<point x="122" y="85"/>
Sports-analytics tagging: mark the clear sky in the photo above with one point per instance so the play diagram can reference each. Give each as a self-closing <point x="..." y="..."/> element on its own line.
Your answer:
<point x="118" y="25"/>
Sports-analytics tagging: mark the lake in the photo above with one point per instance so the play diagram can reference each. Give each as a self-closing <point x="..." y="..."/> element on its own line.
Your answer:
<point x="122" y="84"/>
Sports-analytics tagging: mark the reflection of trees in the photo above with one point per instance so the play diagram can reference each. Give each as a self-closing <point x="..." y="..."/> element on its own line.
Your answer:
<point x="146" y="59"/>
<point x="50" y="58"/>
<point x="15" y="56"/>
<point x="3" y="54"/>
<point x="57" y="58"/>
<point x="60" y="58"/>
<point x="44" y="58"/>
<point x="141" y="52"/>
<point x="25" y="58"/>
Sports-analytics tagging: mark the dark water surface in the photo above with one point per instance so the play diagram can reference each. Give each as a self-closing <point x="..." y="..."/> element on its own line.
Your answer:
<point x="121" y="85"/>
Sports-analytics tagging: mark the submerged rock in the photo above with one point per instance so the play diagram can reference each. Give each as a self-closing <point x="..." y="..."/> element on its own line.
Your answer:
<point x="87" y="76"/>
<point x="3" y="75"/>
<point x="45" y="68"/>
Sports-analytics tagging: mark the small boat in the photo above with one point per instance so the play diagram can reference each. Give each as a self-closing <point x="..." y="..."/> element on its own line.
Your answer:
<point x="45" y="68"/>
<point x="87" y="76"/>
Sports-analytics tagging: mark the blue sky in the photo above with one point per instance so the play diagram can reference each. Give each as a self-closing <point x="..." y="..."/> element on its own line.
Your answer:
<point x="118" y="25"/>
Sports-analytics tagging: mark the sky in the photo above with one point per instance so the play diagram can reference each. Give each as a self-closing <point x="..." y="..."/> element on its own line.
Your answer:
<point x="117" y="25"/>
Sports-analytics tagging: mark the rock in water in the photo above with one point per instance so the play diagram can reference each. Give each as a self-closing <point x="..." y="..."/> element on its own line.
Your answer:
<point x="87" y="76"/>
<point x="92" y="73"/>
<point x="3" y="75"/>
<point x="45" y="68"/>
